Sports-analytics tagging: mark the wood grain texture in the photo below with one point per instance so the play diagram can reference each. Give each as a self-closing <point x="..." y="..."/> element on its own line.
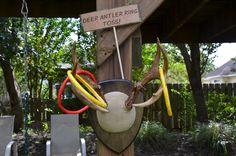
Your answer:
<point x="103" y="150"/>
<point x="110" y="17"/>
<point x="115" y="144"/>
<point x="106" y="48"/>
<point x="110" y="68"/>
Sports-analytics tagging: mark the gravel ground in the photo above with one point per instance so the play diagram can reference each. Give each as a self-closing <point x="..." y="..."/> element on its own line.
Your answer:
<point x="182" y="146"/>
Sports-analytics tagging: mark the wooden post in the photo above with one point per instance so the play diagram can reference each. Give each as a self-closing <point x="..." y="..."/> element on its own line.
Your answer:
<point x="110" y="70"/>
<point x="102" y="150"/>
<point x="146" y="8"/>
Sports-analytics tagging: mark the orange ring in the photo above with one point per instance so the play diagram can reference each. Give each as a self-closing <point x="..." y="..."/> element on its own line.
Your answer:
<point x="62" y="89"/>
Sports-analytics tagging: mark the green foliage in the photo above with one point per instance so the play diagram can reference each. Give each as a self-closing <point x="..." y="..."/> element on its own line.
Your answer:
<point x="9" y="37"/>
<point x="45" y="91"/>
<point x="47" y="46"/>
<point x="2" y="83"/>
<point x="176" y="72"/>
<point x="84" y="130"/>
<point x="187" y="113"/>
<point x="208" y="55"/>
<point x="30" y="121"/>
<point x="71" y="104"/>
<point x="86" y="46"/>
<point x="148" y="54"/>
<point x="153" y="135"/>
<point x="46" y="38"/>
<point x="9" y="44"/>
<point x="214" y="138"/>
<point x="222" y="108"/>
<point x="45" y="127"/>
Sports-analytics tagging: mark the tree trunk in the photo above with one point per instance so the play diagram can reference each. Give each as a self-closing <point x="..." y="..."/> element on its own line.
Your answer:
<point x="192" y="63"/>
<point x="14" y="94"/>
<point x="50" y="87"/>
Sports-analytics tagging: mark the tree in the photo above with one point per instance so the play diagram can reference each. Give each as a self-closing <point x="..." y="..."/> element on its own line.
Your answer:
<point x="9" y="42"/>
<point x="207" y="56"/>
<point x="148" y="53"/>
<point x="176" y="72"/>
<point x="46" y="39"/>
<point x="192" y="58"/>
<point x="86" y="45"/>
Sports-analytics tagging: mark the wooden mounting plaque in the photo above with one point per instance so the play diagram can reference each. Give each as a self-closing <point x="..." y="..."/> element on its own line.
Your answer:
<point x="110" y="17"/>
<point x="117" y="142"/>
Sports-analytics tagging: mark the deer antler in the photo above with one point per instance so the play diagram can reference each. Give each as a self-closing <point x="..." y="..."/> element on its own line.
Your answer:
<point x="85" y="100"/>
<point x="77" y="66"/>
<point x="94" y="85"/>
<point x="153" y="73"/>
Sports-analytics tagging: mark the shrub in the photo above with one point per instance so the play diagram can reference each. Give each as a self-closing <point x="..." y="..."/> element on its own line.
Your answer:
<point x="214" y="138"/>
<point x="222" y="108"/>
<point x="85" y="130"/>
<point x="187" y="113"/>
<point x="154" y="137"/>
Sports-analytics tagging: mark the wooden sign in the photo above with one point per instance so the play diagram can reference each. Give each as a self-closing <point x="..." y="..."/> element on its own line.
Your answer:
<point x="110" y="18"/>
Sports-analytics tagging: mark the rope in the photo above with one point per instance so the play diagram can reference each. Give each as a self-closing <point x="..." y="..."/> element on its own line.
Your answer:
<point x="118" y="53"/>
<point x="24" y="12"/>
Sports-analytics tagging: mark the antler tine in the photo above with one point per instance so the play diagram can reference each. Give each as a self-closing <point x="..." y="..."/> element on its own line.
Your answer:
<point x="150" y="75"/>
<point x="76" y="65"/>
<point x="165" y="65"/>
<point x="85" y="100"/>
<point x="150" y="101"/>
<point x="74" y="55"/>
<point x="153" y="73"/>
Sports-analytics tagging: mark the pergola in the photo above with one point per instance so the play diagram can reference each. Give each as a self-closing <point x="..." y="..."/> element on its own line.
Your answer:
<point x="173" y="21"/>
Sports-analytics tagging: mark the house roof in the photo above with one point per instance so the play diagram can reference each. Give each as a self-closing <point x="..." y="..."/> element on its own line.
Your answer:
<point x="227" y="69"/>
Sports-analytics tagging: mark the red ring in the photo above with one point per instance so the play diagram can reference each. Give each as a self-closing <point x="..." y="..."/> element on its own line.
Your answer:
<point x="62" y="89"/>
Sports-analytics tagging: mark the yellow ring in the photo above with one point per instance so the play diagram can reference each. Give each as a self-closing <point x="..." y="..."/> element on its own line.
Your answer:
<point x="165" y="91"/>
<point x="89" y="87"/>
<point x="99" y="101"/>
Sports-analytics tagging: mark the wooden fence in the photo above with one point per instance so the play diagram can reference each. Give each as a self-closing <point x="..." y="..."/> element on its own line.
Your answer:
<point x="183" y="114"/>
<point x="41" y="110"/>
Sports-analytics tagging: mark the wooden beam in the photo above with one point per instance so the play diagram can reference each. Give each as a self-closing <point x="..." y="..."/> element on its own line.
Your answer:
<point x="107" y="42"/>
<point x="222" y="22"/>
<point x="180" y="15"/>
<point x="186" y="33"/>
<point x="46" y="8"/>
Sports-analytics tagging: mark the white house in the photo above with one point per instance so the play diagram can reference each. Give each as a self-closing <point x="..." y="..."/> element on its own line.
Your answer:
<point x="224" y="74"/>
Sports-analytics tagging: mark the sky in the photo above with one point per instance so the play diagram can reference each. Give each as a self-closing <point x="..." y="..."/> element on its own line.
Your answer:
<point x="224" y="53"/>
